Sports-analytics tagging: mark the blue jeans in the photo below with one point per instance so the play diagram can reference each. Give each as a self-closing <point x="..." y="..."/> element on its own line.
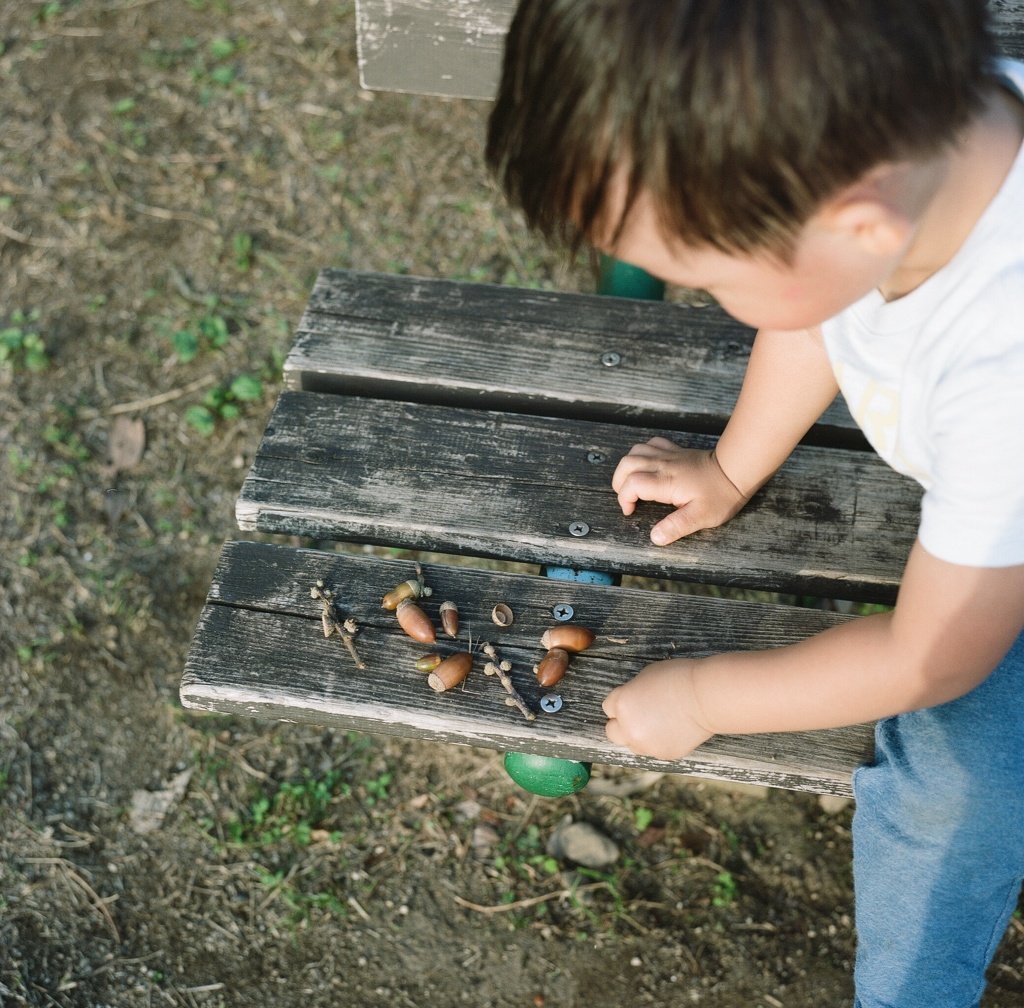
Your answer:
<point x="938" y="842"/>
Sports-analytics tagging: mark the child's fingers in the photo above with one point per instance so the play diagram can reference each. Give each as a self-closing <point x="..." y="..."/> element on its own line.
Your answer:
<point x="661" y="443"/>
<point x="646" y="485"/>
<point x="613" y="730"/>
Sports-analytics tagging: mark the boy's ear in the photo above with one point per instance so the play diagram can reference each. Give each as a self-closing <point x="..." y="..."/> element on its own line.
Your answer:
<point x="867" y="214"/>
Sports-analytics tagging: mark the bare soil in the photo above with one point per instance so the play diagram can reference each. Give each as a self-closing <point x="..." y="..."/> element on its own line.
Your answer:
<point x="173" y="167"/>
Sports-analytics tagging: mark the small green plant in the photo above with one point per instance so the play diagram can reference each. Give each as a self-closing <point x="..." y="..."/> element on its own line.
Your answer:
<point x="210" y="331"/>
<point x="222" y="402"/>
<point x="299" y="903"/>
<point x="242" y="244"/>
<point x="133" y="129"/>
<point x="292" y="812"/>
<point x="377" y="790"/>
<point x="643" y="817"/>
<point x="48" y="11"/>
<point x="213" y="71"/>
<point x="724" y="890"/>
<point x="21" y="345"/>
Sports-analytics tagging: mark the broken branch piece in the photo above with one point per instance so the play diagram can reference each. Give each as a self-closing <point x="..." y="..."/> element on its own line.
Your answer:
<point x="329" y="620"/>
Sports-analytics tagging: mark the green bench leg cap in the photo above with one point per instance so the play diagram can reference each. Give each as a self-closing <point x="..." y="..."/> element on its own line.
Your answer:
<point x="547" y="776"/>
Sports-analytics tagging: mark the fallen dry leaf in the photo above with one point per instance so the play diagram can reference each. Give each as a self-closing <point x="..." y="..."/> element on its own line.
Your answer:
<point x="126" y="443"/>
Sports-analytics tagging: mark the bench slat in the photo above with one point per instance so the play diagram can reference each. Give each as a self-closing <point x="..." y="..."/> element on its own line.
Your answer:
<point x="454" y="48"/>
<point x="494" y="347"/>
<point x="831" y="522"/>
<point x="259" y="651"/>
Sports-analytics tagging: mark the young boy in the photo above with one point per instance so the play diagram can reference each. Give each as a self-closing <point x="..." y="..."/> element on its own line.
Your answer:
<point x="846" y="176"/>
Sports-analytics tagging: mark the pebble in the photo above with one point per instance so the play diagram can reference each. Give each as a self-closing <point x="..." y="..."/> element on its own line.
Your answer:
<point x="582" y="843"/>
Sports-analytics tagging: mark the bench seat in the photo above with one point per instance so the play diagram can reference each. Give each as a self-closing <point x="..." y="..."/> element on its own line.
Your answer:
<point x="471" y="419"/>
<point x="260" y="651"/>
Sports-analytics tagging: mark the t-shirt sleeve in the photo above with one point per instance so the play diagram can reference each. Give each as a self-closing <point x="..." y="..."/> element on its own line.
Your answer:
<point x="973" y="513"/>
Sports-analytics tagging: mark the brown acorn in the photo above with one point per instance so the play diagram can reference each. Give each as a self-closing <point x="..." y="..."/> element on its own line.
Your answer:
<point x="568" y="637"/>
<point x="450" y="672"/>
<point x="428" y="663"/>
<point x="415" y="622"/>
<point x="450" y="618"/>
<point x="406" y="590"/>
<point x="552" y="667"/>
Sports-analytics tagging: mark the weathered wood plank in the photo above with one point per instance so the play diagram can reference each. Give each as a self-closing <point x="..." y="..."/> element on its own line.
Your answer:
<point x="450" y="48"/>
<point x="833" y="523"/>
<point x="259" y="650"/>
<point x="454" y="47"/>
<point x="495" y="347"/>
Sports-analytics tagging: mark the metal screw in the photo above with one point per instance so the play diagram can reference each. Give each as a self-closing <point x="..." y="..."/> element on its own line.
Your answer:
<point x="611" y="359"/>
<point x="550" y="702"/>
<point x="579" y="528"/>
<point x="596" y="456"/>
<point x="563" y="612"/>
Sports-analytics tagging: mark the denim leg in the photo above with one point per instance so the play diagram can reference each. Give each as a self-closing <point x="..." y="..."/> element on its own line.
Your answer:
<point x="938" y="840"/>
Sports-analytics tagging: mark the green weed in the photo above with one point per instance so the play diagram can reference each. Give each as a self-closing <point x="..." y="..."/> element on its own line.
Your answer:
<point x="21" y="345"/>
<point x="223" y="402"/>
<point x="299" y="903"/>
<point x="209" y="331"/>
<point x="724" y="890"/>
<point x="292" y="812"/>
<point x="643" y="817"/>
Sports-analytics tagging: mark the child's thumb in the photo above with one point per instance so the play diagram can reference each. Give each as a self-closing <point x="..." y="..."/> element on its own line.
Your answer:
<point x="674" y="526"/>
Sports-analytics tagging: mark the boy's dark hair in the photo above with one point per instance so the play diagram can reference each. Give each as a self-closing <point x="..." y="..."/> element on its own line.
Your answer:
<point x="739" y="117"/>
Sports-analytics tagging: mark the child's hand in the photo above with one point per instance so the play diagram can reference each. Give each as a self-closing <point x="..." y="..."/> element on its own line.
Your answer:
<point x="689" y="479"/>
<point x="657" y="713"/>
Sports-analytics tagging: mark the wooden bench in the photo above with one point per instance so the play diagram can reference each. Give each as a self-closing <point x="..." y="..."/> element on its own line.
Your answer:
<point x="475" y="419"/>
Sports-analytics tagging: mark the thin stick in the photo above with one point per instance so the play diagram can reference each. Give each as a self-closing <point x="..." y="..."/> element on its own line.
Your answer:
<point x="495" y="669"/>
<point x="157" y="400"/>
<point x="532" y="901"/>
<point x="329" y="620"/>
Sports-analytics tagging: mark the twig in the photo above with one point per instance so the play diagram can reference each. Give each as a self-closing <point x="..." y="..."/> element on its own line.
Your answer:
<point x="328" y="618"/>
<point x="163" y="397"/>
<point x="532" y="901"/>
<point x="72" y="876"/>
<point x="496" y="668"/>
<point x="22" y="239"/>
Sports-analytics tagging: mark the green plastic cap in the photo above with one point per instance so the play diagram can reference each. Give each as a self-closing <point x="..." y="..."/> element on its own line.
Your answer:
<point x="547" y="776"/>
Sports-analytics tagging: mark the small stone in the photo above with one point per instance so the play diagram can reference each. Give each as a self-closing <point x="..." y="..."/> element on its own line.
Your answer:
<point x="483" y="839"/>
<point x="833" y="804"/>
<point x="582" y="843"/>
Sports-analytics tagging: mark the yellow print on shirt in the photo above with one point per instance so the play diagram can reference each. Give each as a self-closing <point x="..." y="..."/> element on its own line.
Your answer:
<point x="875" y="407"/>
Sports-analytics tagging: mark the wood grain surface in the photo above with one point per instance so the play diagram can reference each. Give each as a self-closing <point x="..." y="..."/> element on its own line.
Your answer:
<point x="497" y="347"/>
<point x="259" y="650"/>
<point x="833" y="523"/>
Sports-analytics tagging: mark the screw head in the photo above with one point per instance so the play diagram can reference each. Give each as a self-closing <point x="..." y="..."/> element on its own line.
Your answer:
<point x="550" y="702"/>
<point x="579" y="528"/>
<point x="596" y="456"/>
<point x="563" y="612"/>
<point x="611" y="359"/>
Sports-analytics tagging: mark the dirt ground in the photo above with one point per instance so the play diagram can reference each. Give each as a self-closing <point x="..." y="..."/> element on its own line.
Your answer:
<point x="173" y="173"/>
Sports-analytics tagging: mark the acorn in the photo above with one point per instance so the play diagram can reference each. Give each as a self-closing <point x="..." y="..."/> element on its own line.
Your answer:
<point x="450" y="618"/>
<point x="428" y="663"/>
<point x="415" y="622"/>
<point x="568" y="637"/>
<point x="410" y="589"/>
<point x="502" y="615"/>
<point x="552" y="667"/>
<point x="450" y="672"/>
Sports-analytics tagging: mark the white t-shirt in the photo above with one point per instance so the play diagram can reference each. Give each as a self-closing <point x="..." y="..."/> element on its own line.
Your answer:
<point x="935" y="379"/>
